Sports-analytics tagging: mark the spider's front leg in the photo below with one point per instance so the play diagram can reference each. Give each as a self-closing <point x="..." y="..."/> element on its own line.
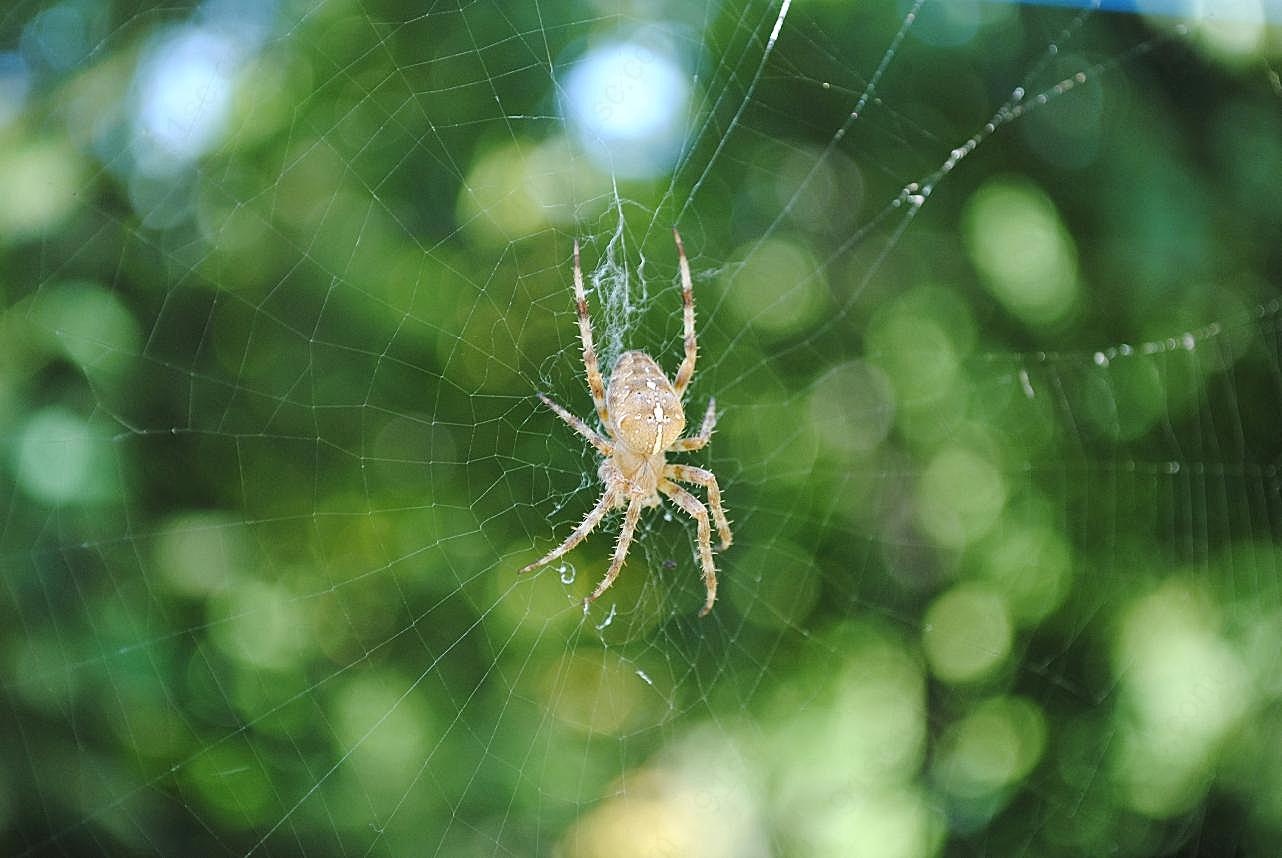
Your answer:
<point x="705" y="478"/>
<point x="620" y="550"/>
<point x="592" y="519"/>
<point x="699" y="513"/>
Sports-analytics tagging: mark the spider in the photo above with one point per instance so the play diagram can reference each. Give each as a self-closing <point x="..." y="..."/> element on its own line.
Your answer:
<point x="642" y="414"/>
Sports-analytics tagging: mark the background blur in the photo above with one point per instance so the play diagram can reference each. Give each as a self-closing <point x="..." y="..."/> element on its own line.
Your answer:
<point x="988" y="296"/>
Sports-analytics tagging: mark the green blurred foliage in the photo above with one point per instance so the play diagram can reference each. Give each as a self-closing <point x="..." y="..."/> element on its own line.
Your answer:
<point x="998" y="432"/>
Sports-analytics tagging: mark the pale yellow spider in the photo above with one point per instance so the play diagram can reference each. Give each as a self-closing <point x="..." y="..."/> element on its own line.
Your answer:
<point x="641" y="411"/>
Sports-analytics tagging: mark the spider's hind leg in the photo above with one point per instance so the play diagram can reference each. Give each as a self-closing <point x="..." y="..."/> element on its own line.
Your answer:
<point x="595" y="383"/>
<point x="698" y="442"/>
<point x="603" y="446"/>
<point x="686" y="372"/>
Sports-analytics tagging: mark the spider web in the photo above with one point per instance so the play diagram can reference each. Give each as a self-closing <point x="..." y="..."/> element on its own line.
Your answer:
<point x="1004" y="578"/>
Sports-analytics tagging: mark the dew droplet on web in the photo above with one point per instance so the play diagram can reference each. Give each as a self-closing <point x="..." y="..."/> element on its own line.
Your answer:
<point x="1101" y="359"/>
<point x="567" y="573"/>
<point x="609" y="618"/>
<point x="1026" y="384"/>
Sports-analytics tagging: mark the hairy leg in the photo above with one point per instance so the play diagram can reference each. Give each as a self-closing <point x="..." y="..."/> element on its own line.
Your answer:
<point x="620" y="550"/>
<point x="592" y="519"/>
<point x="595" y="383"/>
<point x="699" y="513"/>
<point x="698" y="442"/>
<point x="686" y="372"/>
<point x="602" y="445"/>
<point x="699" y="476"/>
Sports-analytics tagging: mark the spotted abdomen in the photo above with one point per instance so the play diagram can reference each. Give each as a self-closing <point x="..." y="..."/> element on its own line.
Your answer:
<point x="644" y="407"/>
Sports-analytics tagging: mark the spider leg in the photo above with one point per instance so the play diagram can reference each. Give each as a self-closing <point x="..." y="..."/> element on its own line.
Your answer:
<point x="696" y="511"/>
<point x="620" y="550"/>
<point x="698" y="442"/>
<point x="686" y="371"/>
<point x="590" y="521"/>
<point x="595" y="384"/>
<point x="699" y="476"/>
<point x="699" y="513"/>
<point x="602" y="445"/>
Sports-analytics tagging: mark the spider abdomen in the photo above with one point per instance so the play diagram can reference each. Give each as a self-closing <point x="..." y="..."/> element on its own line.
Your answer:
<point x="643" y="405"/>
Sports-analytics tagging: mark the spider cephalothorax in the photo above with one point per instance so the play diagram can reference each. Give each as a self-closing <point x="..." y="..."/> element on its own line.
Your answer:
<point x="641" y="412"/>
